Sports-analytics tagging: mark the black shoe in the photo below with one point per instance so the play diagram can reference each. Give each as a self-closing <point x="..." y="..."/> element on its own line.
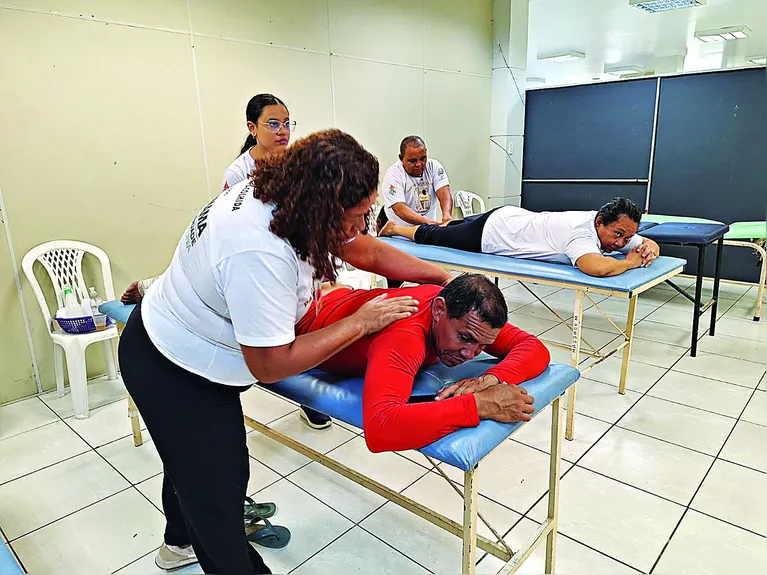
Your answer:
<point x="315" y="419"/>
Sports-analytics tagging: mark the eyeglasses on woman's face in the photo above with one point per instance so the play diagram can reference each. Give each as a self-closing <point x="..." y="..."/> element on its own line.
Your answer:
<point x="275" y="125"/>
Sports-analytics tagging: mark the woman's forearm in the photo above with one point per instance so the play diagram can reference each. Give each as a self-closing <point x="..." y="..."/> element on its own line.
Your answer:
<point x="372" y="255"/>
<point x="271" y="364"/>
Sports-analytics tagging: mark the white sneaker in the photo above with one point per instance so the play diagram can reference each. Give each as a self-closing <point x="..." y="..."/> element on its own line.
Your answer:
<point x="170" y="557"/>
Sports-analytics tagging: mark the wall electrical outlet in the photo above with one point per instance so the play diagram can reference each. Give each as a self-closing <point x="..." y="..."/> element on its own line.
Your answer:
<point x="510" y="148"/>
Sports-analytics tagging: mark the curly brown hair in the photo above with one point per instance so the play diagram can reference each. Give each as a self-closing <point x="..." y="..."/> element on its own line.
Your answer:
<point x="311" y="184"/>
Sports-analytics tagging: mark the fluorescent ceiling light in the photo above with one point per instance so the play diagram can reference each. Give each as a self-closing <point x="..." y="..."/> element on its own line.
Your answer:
<point x="760" y="60"/>
<point x="533" y="81"/>
<point x="665" y="5"/>
<point x="621" y="70"/>
<point x="722" y="34"/>
<point x="569" y="56"/>
<point x="638" y="74"/>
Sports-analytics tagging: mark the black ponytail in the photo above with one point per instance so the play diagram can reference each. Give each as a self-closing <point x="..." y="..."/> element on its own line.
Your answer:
<point x="250" y="141"/>
<point x="253" y="112"/>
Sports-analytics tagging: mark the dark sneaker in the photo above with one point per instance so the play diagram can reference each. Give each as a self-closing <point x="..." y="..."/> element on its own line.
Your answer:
<point x="315" y="419"/>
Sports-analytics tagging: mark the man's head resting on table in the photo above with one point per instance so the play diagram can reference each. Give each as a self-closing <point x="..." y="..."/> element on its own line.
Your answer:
<point x="466" y="317"/>
<point x="616" y="223"/>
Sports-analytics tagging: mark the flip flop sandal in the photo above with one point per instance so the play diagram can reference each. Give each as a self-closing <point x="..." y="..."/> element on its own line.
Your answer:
<point x="255" y="510"/>
<point x="267" y="535"/>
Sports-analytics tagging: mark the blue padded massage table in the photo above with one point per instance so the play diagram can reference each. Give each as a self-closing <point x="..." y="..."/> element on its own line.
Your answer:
<point x="699" y="234"/>
<point x="628" y="285"/>
<point x="8" y="563"/>
<point x="340" y="397"/>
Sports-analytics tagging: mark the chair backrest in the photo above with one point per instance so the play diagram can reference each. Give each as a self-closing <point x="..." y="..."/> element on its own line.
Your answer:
<point x="63" y="259"/>
<point x="465" y="200"/>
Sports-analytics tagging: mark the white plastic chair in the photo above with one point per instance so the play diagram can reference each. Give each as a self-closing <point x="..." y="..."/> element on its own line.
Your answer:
<point x="63" y="261"/>
<point x="465" y="202"/>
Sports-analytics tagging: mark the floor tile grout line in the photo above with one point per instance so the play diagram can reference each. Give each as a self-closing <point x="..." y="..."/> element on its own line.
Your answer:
<point x="134" y="561"/>
<point x="354" y="523"/>
<point x="526" y="514"/>
<point x="70" y="514"/>
<point x="2" y="483"/>
<point x="393" y="547"/>
<point x="321" y="549"/>
<point x="700" y="485"/>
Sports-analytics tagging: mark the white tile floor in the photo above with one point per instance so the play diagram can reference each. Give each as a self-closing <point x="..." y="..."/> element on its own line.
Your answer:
<point x="669" y="478"/>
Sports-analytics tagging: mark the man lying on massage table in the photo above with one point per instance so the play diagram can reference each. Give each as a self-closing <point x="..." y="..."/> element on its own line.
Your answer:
<point x="452" y="324"/>
<point x="576" y="238"/>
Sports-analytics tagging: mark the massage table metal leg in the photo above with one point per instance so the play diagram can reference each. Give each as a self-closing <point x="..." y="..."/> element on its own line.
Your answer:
<point x="696" y="304"/>
<point x="629" y="340"/>
<point x="758" y="248"/>
<point x="469" y="556"/>
<point x="547" y="529"/>
<point x="762" y="283"/>
<point x="717" y="277"/>
<point x="575" y="351"/>
<point x="553" y="507"/>
<point x="138" y="439"/>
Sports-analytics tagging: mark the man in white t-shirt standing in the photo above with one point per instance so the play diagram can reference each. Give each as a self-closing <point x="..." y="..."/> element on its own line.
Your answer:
<point x="414" y="186"/>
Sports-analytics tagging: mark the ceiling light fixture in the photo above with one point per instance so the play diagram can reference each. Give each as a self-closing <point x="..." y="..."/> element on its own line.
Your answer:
<point x="758" y="60"/>
<point x="665" y="5"/>
<point x="569" y="56"/>
<point x="723" y="34"/>
<point x="621" y="70"/>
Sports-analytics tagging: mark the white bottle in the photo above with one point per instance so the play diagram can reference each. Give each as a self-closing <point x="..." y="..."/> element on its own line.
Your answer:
<point x="71" y="307"/>
<point x="96" y="301"/>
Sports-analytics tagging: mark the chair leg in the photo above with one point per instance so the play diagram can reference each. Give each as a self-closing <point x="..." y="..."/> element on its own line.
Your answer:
<point x="78" y="382"/>
<point x="135" y="423"/>
<point x="109" y="358"/>
<point x="58" y="368"/>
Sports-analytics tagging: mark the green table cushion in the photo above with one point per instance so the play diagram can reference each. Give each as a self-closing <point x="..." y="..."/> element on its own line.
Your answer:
<point x="747" y="231"/>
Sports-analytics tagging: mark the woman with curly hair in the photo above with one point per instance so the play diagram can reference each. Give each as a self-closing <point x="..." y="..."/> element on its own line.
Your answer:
<point x="224" y="312"/>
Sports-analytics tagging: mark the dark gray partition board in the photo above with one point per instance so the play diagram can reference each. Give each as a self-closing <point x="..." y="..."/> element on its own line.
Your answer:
<point x="555" y="197"/>
<point x="711" y="146"/>
<point x="596" y="131"/>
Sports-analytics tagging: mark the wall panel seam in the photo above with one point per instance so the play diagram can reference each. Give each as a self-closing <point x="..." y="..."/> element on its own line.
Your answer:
<point x="20" y="293"/>
<point x="198" y="99"/>
<point x="73" y="16"/>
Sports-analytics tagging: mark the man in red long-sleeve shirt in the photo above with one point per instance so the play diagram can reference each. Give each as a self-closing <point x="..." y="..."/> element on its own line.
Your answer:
<point x="453" y="324"/>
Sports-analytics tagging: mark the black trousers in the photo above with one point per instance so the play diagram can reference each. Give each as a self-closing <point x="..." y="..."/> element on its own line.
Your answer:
<point x="465" y="235"/>
<point x="381" y="222"/>
<point x="197" y="427"/>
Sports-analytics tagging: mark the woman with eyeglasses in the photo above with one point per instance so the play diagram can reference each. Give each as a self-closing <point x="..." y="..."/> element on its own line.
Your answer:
<point x="223" y="315"/>
<point x="269" y="125"/>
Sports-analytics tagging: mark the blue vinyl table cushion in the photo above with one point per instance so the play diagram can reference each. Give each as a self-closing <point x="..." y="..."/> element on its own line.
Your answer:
<point x="532" y="269"/>
<point x="340" y="397"/>
<point x="686" y="233"/>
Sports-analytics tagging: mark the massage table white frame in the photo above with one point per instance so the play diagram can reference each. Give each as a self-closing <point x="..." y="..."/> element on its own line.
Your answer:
<point x="467" y="530"/>
<point x="581" y="292"/>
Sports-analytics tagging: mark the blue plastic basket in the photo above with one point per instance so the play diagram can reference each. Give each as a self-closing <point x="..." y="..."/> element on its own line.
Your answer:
<point x="83" y="324"/>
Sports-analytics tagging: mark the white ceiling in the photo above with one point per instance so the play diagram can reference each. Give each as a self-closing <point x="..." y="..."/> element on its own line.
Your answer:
<point x="611" y="32"/>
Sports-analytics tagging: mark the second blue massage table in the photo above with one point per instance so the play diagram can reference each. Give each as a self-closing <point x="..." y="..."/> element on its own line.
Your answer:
<point x="698" y="234"/>
<point x="628" y="285"/>
<point x="340" y="397"/>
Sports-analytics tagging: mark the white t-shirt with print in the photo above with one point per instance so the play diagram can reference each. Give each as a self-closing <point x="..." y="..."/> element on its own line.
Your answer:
<point x="560" y="237"/>
<point x="419" y="194"/>
<point x="238" y="170"/>
<point x="231" y="282"/>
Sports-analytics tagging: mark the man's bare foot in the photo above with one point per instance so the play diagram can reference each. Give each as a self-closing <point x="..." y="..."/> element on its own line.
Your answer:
<point x="388" y="230"/>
